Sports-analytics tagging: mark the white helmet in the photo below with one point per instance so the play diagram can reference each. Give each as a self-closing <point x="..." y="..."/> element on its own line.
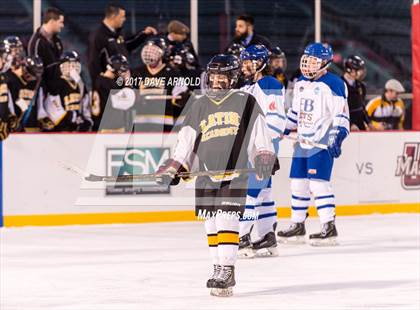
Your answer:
<point x="394" y="85"/>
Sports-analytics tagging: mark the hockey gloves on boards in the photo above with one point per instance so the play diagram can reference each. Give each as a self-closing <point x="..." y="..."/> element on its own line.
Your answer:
<point x="167" y="173"/>
<point x="4" y="130"/>
<point x="8" y="126"/>
<point x="335" y="140"/>
<point x="266" y="164"/>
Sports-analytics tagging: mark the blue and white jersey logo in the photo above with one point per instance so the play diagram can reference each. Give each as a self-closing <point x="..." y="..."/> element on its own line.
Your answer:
<point x="307" y="105"/>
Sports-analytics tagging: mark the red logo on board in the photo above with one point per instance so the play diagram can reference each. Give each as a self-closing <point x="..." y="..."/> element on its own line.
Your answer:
<point x="408" y="166"/>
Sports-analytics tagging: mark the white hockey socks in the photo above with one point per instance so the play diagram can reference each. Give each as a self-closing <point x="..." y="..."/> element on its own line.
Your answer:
<point x="324" y="200"/>
<point x="301" y="198"/>
<point x="211" y="231"/>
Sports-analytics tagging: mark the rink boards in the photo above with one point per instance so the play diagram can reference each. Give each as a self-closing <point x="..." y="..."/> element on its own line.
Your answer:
<point x="377" y="173"/>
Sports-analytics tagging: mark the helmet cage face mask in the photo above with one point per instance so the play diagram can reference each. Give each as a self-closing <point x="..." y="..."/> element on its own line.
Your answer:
<point x="311" y="66"/>
<point x="151" y="54"/>
<point x="68" y="66"/>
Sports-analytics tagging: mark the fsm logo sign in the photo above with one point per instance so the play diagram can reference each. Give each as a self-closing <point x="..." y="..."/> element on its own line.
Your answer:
<point x="408" y="166"/>
<point x="135" y="160"/>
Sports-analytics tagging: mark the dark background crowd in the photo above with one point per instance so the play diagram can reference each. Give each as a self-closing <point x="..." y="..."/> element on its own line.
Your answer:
<point x="74" y="62"/>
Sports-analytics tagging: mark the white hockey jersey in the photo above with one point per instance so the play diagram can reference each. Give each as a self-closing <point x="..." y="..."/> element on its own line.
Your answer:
<point x="319" y="107"/>
<point x="270" y="95"/>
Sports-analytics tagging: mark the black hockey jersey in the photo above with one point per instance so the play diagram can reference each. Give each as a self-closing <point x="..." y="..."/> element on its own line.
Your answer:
<point x="155" y="109"/>
<point x="22" y="98"/>
<point x="4" y="99"/>
<point x="106" y="112"/>
<point x="357" y="102"/>
<point x="68" y="106"/>
<point x="225" y="134"/>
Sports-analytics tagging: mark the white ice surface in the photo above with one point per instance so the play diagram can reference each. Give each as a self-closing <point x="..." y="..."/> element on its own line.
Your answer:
<point x="165" y="266"/>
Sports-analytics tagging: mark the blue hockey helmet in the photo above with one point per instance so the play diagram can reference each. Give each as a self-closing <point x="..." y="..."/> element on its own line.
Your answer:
<point x="316" y="57"/>
<point x="255" y="52"/>
<point x="254" y="59"/>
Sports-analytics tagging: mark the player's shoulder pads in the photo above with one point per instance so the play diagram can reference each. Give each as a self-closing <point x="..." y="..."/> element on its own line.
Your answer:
<point x="335" y="83"/>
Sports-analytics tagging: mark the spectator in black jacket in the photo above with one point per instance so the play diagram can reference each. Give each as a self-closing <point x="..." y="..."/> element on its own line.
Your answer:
<point x="108" y="40"/>
<point x="46" y="44"/>
<point x="245" y="34"/>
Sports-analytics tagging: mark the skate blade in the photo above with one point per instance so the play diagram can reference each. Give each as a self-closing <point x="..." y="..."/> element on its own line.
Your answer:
<point x="267" y="252"/>
<point x="246" y="253"/>
<point x="291" y="240"/>
<point x="221" y="292"/>
<point x="324" y="242"/>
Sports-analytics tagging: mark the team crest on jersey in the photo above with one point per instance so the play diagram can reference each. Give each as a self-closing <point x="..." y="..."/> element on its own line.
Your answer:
<point x="408" y="166"/>
<point x="229" y="120"/>
<point x="301" y="89"/>
<point x="272" y="106"/>
<point x="316" y="90"/>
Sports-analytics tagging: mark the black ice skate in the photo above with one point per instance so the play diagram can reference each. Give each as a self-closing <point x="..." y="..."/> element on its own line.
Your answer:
<point x="216" y="270"/>
<point x="327" y="236"/>
<point x="267" y="246"/>
<point x="224" y="282"/>
<point x="245" y="247"/>
<point x="294" y="234"/>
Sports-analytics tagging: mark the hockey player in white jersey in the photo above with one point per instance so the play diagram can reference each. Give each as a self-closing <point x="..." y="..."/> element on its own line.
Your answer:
<point x="260" y="213"/>
<point x="320" y="114"/>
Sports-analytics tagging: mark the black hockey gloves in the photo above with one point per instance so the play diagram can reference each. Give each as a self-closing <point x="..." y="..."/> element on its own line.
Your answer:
<point x="266" y="164"/>
<point x="167" y="173"/>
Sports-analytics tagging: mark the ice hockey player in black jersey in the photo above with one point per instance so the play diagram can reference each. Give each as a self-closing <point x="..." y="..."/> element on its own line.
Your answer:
<point x="354" y="73"/>
<point x="223" y="130"/>
<point x="67" y="103"/>
<point x="26" y="94"/>
<point x="8" y="121"/>
<point x="162" y="91"/>
<point x="112" y="98"/>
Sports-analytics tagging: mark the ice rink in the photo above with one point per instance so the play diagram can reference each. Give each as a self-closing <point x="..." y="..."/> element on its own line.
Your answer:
<point x="165" y="266"/>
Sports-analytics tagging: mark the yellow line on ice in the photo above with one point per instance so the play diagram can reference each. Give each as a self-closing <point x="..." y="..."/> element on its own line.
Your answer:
<point x="177" y="216"/>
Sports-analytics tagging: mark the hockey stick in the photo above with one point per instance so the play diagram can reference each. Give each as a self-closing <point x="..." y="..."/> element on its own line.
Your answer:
<point x="161" y="97"/>
<point x="307" y="142"/>
<point x="146" y="177"/>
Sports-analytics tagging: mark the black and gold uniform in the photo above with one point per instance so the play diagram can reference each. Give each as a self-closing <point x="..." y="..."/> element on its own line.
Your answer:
<point x="223" y="130"/>
<point x="68" y="106"/>
<point x="106" y="96"/>
<point x="6" y="117"/>
<point x="22" y="92"/>
<point x="160" y="99"/>
<point x="386" y="114"/>
<point x="112" y="99"/>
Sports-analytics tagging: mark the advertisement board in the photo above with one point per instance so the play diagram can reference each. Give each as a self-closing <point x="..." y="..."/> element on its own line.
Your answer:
<point x="378" y="172"/>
